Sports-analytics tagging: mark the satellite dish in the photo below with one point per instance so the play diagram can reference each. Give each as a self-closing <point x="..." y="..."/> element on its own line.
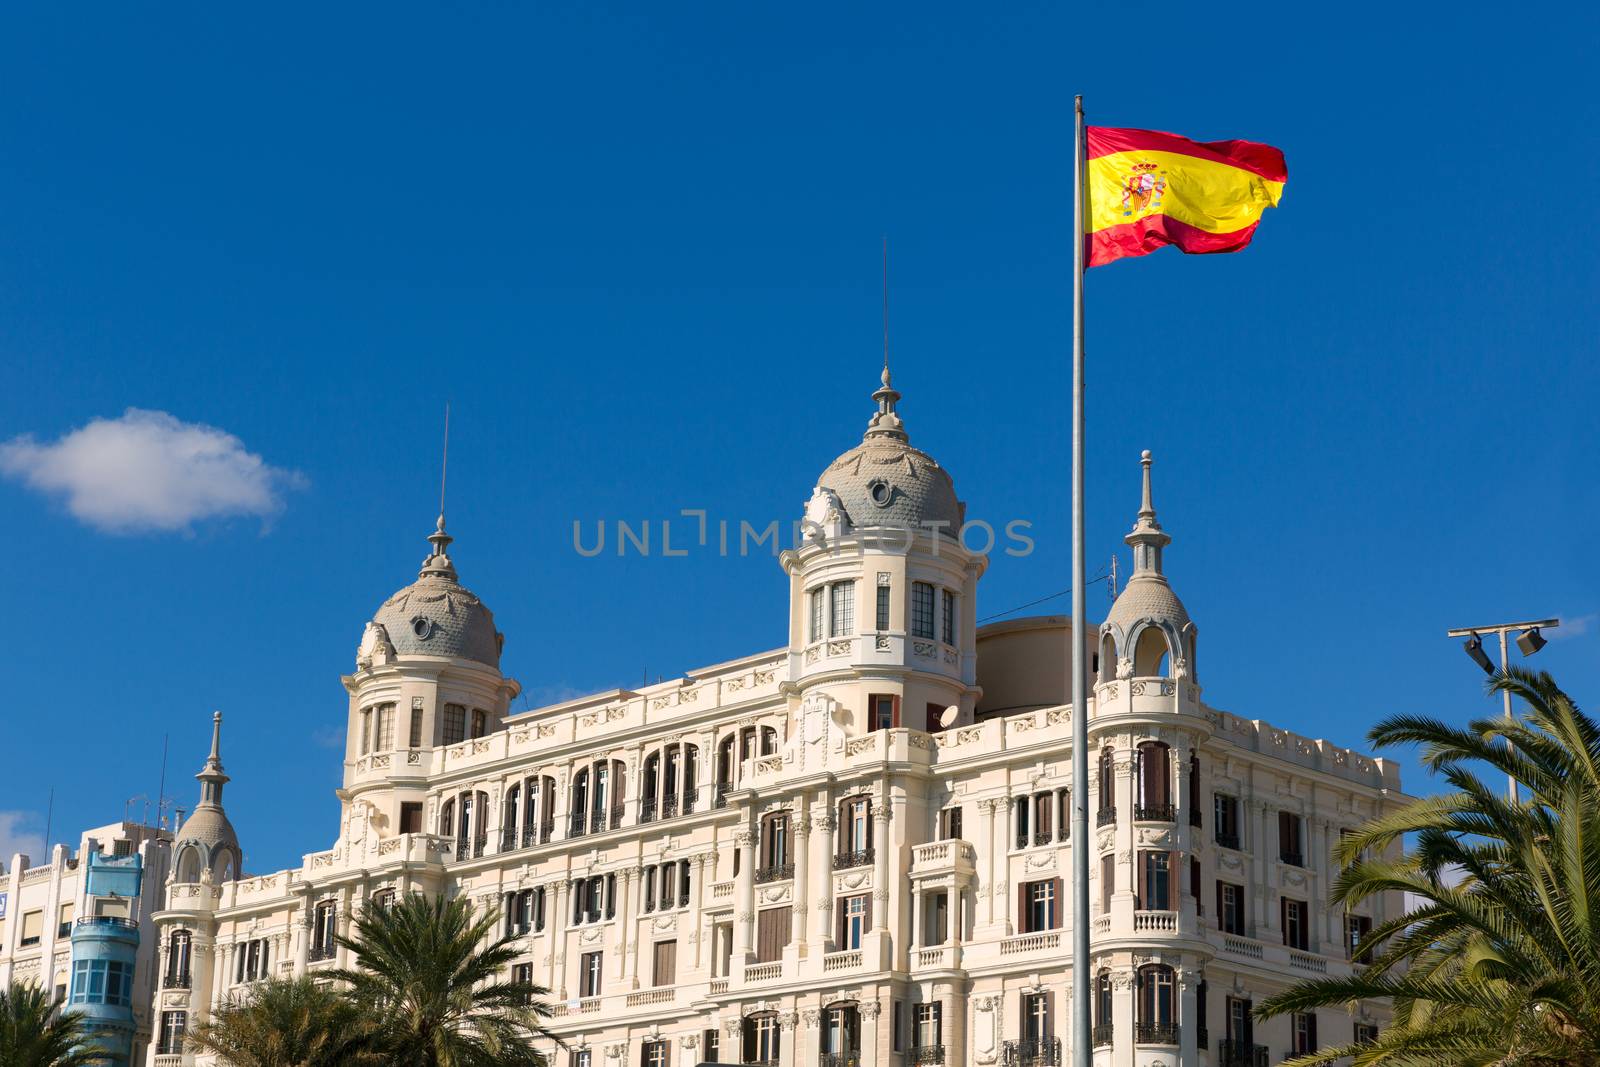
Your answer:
<point x="948" y="718"/>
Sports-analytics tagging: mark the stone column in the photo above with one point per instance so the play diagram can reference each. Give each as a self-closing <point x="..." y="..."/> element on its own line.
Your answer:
<point x="802" y="867"/>
<point x="704" y="866"/>
<point x="983" y="843"/>
<point x="788" y="1033"/>
<point x="744" y="892"/>
<point x="880" y="954"/>
<point x="1122" y="1016"/>
<point x="1256" y="829"/>
<point x="627" y="931"/>
<point x="1189" y="1021"/>
<point x="872" y="1049"/>
<point x="556" y="923"/>
<point x="823" y="827"/>
<point x="1000" y="811"/>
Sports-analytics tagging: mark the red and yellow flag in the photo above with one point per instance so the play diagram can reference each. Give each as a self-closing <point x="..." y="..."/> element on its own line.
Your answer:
<point x="1147" y="189"/>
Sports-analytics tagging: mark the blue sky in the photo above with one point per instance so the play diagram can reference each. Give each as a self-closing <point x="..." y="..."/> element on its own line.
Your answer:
<point x="637" y="249"/>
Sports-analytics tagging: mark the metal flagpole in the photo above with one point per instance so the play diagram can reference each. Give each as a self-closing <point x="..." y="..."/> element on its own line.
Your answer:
<point x="1082" y="1049"/>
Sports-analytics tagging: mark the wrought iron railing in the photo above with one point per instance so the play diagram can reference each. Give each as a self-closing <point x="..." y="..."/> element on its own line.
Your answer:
<point x="322" y="952"/>
<point x="1232" y="1053"/>
<point x="1035" y="1052"/>
<point x="647" y="809"/>
<point x="576" y="826"/>
<point x="1106" y="816"/>
<point x="1101" y="1035"/>
<point x="1156" y="1033"/>
<point x="1043" y="837"/>
<point x="1293" y="859"/>
<point x="860" y="857"/>
<point x="839" y="1059"/>
<point x="1154" y="813"/>
<point x="775" y="873"/>
<point x="176" y="981"/>
<point x="1227" y="840"/>
<point x="669" y="806"/>
<point x="723" y="789"/>
<point x="925" y="1054"/>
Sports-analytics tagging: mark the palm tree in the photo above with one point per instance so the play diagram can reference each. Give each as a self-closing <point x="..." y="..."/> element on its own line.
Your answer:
<point x="438" y="996"/>
<point x="34" y="1034"/>
<point x="290" y="1023"/>
<point x="1499" y="963"/>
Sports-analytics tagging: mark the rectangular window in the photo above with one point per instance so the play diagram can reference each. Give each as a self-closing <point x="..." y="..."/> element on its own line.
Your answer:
<point x="772" y="933"/>
<point x="1036" y="1017"/>
<point x="655" y="1054"/>
<point x="1039" y="905"/>
<point x="775" y="842"/>
<point x="1225" y="819"/>
<point x="665" y="971"/>
<point x="710" y="1045"/>
<point x="1303" y="1027"/>
<point x="383" y="739"/>
<point x="1356" y="927"/>
<point x="1365" y="1034"/>
<point x="882" y="712"/>
<point x="1237" y="1021"/>
<point x="64" y="921"/>
<point x="411" y="817"/>
<point x="366" y="730"/>
<point x="32" y="928"/>
<point x="582" y="1058"/>
<point x="842" y="609"/>
<point x="1108" y="881"/>
<point x="173" y="1025"/>
<point x="1230" y="908"/>
<point x="589" y="974"/>
<point x="854" y="920"/>
<point x="416" y="728"/>
<point x="1155" y="881"/>
<point x="1296" y="924"/>
<point x="921" y="610"/>
<point x="948" y="622"/>
<point x="816" y="614"/>
<point x="1289" y="850"/>
<point x="455" y="724"/>
<point x="856" y="827"/>
<point x="930" y="1025"/>
<point x="950" y="824"/>
<point x="883" y="607"/>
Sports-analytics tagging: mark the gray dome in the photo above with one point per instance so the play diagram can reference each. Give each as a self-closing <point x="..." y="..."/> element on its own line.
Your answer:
<point x="437" y="616"/>
<point x="209" y="827"/>
<point x="883" y="481"/>
<point x="1147" y="597"/>
<point x="206" y="843"/>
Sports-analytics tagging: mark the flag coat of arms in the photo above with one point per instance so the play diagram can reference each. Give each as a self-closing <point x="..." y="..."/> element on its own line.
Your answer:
<point x="1146" y="189"/>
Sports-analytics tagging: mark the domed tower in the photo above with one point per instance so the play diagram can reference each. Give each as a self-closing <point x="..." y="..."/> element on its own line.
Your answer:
<point x="882" y="626"/>
<point x="427" y="676"/>
<point x="206" y="849"/>
<point x="1148" y="633"/>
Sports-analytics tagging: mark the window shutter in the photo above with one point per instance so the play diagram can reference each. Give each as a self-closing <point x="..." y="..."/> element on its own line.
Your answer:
<point x="894" y="711"/>
<point x="866" y="918"/>
<point x="1311" y="1031"/>
<point x="1024" y="921"/>
<point x="1283" y="917"/>
<point x="1055" y="904"/>
<point x="1222" y="923"/>
<point x="1249" y="1035"/>
<point x="870" y="820"/>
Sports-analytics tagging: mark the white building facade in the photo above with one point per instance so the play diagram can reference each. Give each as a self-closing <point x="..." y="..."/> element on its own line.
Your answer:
<point x="852" y="850"/>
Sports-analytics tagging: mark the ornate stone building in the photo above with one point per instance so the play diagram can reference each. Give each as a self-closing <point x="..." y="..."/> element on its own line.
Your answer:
<point x="850" y="850"/>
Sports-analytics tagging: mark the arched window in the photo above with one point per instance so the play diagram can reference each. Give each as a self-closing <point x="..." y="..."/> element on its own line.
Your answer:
<point x="480" y="722"/>
<point x="1108" y="659"/>
<point x="180" y="944"/>
<point x="538" y="810"/>
<point x="855" y="833"/>
<point x="1108" y="788"/>
<point x="1154" y="801"/>
<point x="597" y="791"/>
<point x="1194" y="640"/>
<point x="1151" y="653"/>
<point x="761" y="1034"/>
<point x="226" y="867"/>
<point x="464" y="818"/>
<point x="323" y="932"/>
<point x="189" y="863"/>
<point x="383" y="898"/>
<point x="841" y="1032"/>
<point x="769" y="741"/>
<point x="1158" y="1019"/>
<point x="727" y="769"/>
<point x="776" y="861"/>
<point x="447" y="819"/>
<point x="1102" y="1008"/>
<point x="670" y="781"/>
<point x="508" y="817"/>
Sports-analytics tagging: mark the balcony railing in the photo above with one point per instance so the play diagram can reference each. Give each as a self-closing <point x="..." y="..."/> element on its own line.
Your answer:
<point x="647" y="809"/>
<point x="1228" y="840"/>
<point x="1101" y="1035"/>
<point x="577" y="826"/>
<point x="1106" y="817"/>
<point x="669" y="806"/>
<point x="723" y="789"/>
<point x="1154" y="813"/>
<point x="1231" y="1053"/>
<point x="1293" y="859"/>
<point x="925" y="1054"/>
<point x="1038" y="1052"/>
<point x="861" y="857"/>
<point x="175" y="981"/>
<point x="538" y="835"/>
<point x="470" y="850"/>
<point x="776" y="873"/>
<point x="839" y="1059"/>
<point x="321" y="952"/>
<point x="108" y="920"/>
<point x="1156" y="1033"/>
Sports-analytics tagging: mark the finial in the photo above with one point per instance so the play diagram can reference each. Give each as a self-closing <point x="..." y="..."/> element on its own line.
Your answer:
<point x="885" y="422"/>
<point x="1146" y="509"/>
<point x="216" y="736"/>
<point x="1147" y="536"/>
<point x="438" y="563"/>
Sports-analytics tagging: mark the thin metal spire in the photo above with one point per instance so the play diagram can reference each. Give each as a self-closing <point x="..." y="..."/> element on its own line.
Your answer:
<point x="444" y="464"/>
<point x="885" y="309"/>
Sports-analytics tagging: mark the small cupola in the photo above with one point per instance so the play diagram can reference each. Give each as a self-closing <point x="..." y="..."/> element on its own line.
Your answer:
<point x="1147" y="633"/>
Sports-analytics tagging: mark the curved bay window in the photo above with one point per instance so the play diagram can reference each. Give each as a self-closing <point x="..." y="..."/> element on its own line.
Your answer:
<point x="761" y="1037"/>
<point x="855" y="834"/>
<point x="669" y="782"/>
<point x="597" y="791"/>
<point x="1108" y="788"/>
<point x="1157" y="1002"/>
<point x="527" y="817"/>
<point x="732" y="753"/>
<point x="180" y="946"/>
<point x="463" y="818"/>
<point x="1154" y="783"/>
<point x="841" y="1036"/>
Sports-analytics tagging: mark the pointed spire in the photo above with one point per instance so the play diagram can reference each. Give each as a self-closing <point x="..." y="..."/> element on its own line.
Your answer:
<point x="438" y="564"/>
<point x="1147" y="538"/>
<point x="211" y="776"/>
<point x="885" y="422"/>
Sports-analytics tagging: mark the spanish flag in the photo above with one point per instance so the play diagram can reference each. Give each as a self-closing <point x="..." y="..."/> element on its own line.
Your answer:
<point x="1147" y="189"/>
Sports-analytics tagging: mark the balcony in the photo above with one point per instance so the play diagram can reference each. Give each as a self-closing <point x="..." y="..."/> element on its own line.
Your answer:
<point x="1101" y="1035"/>
<point x="721" y="798"/>
<point x="470" y="850"/>
<point x="538" y="835"/>
<point x="849" y="960"/>
<point x="1231" y="1053"/>
<point x="920" y="1055"/>
<point x="763" y="972"/>
<point x="647" y="810"/>
<point x="1030" y="942"/>
<point x="176" y="981"/>
<point x="861" y="857"/>
<point x="319" y="953"/>
<point x="1155" y="921"/>
<point x="1156" y="1033"/>
<point x="839" y="1059"/>
<point x="1293" y="859"/>
<point x="1039" y="1052"/>
<point x="778" y="872"/>
<point x="1228" y="840"/>
<point x="1155" y="813"/>
<point x="1106" y="817"/>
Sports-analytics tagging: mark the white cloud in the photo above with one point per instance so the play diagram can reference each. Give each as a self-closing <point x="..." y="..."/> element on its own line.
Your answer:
<point x="14" y="839"/>
<point x="148" y="471"/>
<point x="1573" y="626"/>
<point x="328" y="737"/>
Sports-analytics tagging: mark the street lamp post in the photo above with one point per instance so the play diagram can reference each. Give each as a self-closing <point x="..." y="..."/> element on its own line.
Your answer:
<point x="1529" y="641"/>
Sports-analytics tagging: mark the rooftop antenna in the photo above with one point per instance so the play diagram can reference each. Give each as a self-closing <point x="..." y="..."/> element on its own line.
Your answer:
<point x="444" y="466"/>
<point x="1112" y="588"/>
<point x="886" y="308"/>
<point x="161" y="792"/>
